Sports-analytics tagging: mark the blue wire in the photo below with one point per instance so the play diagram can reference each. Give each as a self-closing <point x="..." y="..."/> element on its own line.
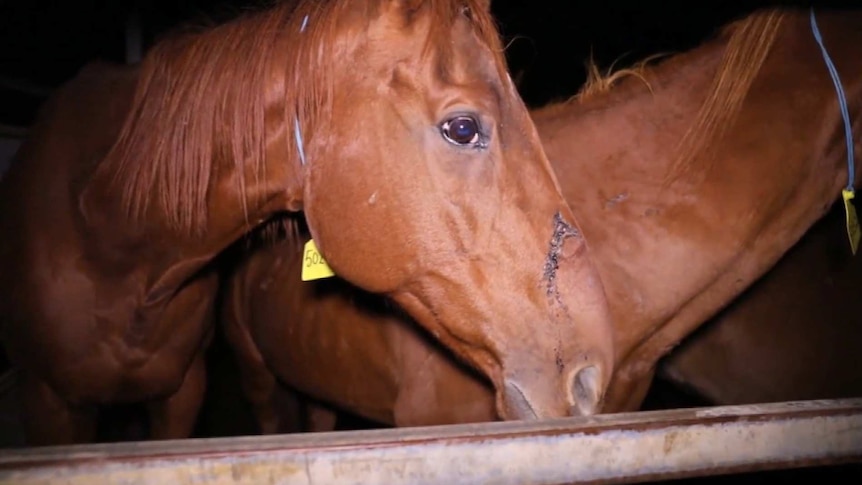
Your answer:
<point x="842" y="103"/>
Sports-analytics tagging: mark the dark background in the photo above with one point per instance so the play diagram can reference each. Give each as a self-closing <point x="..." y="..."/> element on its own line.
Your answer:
<point x="43" y="43"/>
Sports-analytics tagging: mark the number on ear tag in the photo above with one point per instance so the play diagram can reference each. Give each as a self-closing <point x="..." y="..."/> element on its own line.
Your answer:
<point x="314" y="267"/>
<point x="852" y="221"/>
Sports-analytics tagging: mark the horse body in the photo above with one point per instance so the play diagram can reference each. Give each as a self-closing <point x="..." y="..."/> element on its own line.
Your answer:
<point x="77" y="284"/>
<point x="731" y="213"/>
<point x="678" y="233"/>
<point x="341" y="345"/>
<point x="793" y="335"/>
<point x="421" y="178"/>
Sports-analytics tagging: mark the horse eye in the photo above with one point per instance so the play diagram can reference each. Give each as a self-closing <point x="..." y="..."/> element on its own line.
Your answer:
<point x="461" y="131"/>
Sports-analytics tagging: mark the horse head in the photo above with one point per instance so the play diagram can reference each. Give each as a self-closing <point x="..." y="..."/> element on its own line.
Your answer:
<point x="425" y="180"/>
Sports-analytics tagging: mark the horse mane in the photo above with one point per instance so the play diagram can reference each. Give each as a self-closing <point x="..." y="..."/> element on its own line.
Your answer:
<point x="203" y="96"/>
<point x="598" y="83"/>
<point x="750" y="41"/>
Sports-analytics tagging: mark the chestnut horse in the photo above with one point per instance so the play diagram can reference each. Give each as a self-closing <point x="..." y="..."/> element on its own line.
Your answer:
<point x="391" y="124"/>
<point x="678" y="233"/>
<point x="339" y="344"/>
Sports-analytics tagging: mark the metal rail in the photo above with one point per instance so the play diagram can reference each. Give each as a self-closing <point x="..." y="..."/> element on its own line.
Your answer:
<point x="610" y="448"/>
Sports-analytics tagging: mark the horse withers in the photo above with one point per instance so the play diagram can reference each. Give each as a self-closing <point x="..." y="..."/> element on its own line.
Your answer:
<point x="394" y="127"/>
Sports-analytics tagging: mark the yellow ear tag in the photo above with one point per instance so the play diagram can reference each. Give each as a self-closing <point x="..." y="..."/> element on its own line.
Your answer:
<point x="314" y="267"/>
<point x="852" y="222"/>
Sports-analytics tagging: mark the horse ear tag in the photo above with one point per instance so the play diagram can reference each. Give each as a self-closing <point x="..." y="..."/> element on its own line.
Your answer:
<point x="853" y="231"/>
<point x="314" y="267"/>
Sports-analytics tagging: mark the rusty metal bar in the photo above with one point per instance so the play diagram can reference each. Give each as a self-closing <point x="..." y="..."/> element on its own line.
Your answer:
<point x="611" y="448"/>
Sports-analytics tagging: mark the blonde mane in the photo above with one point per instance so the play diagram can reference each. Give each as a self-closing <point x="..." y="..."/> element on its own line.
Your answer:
<point x="749" y="44"/>
<point x="599" y="83"/>
<point x="202" y="97"/>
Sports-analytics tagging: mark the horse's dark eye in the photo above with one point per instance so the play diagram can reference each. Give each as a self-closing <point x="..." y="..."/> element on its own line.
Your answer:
<point x="461" y="130"/>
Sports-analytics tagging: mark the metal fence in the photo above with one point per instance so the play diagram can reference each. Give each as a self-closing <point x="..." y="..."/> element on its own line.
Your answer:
<point x="618" y="448"/>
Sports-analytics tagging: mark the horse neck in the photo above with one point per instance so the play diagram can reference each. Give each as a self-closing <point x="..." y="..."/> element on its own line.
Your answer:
<point x="204" y="152"/>
<point x="672" y="253"/>
<point x="611" y="155"/>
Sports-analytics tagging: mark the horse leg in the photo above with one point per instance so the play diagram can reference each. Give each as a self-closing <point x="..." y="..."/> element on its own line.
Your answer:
<point x="259" y="385"/>
<point x="319" y="418"/>
<point x="175" y="416"/>
<point x="49" y="419"/>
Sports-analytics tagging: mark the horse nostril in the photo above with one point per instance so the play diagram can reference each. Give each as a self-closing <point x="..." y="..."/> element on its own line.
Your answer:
<point x="517" y="406"/>
<point x="585" y="393"/>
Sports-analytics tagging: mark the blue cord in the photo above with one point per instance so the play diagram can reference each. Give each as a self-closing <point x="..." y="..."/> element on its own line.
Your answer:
<point x="297" y="135"/>
<point x="842" y="103"/>
<point x="297" y="132"/>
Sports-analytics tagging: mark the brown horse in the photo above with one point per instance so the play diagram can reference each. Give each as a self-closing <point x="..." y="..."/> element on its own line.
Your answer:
<point x="341" y="345"/>
<point x="394" y="127"/>
<point x="678" y="232"/>
<point x="793" y="335"/>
